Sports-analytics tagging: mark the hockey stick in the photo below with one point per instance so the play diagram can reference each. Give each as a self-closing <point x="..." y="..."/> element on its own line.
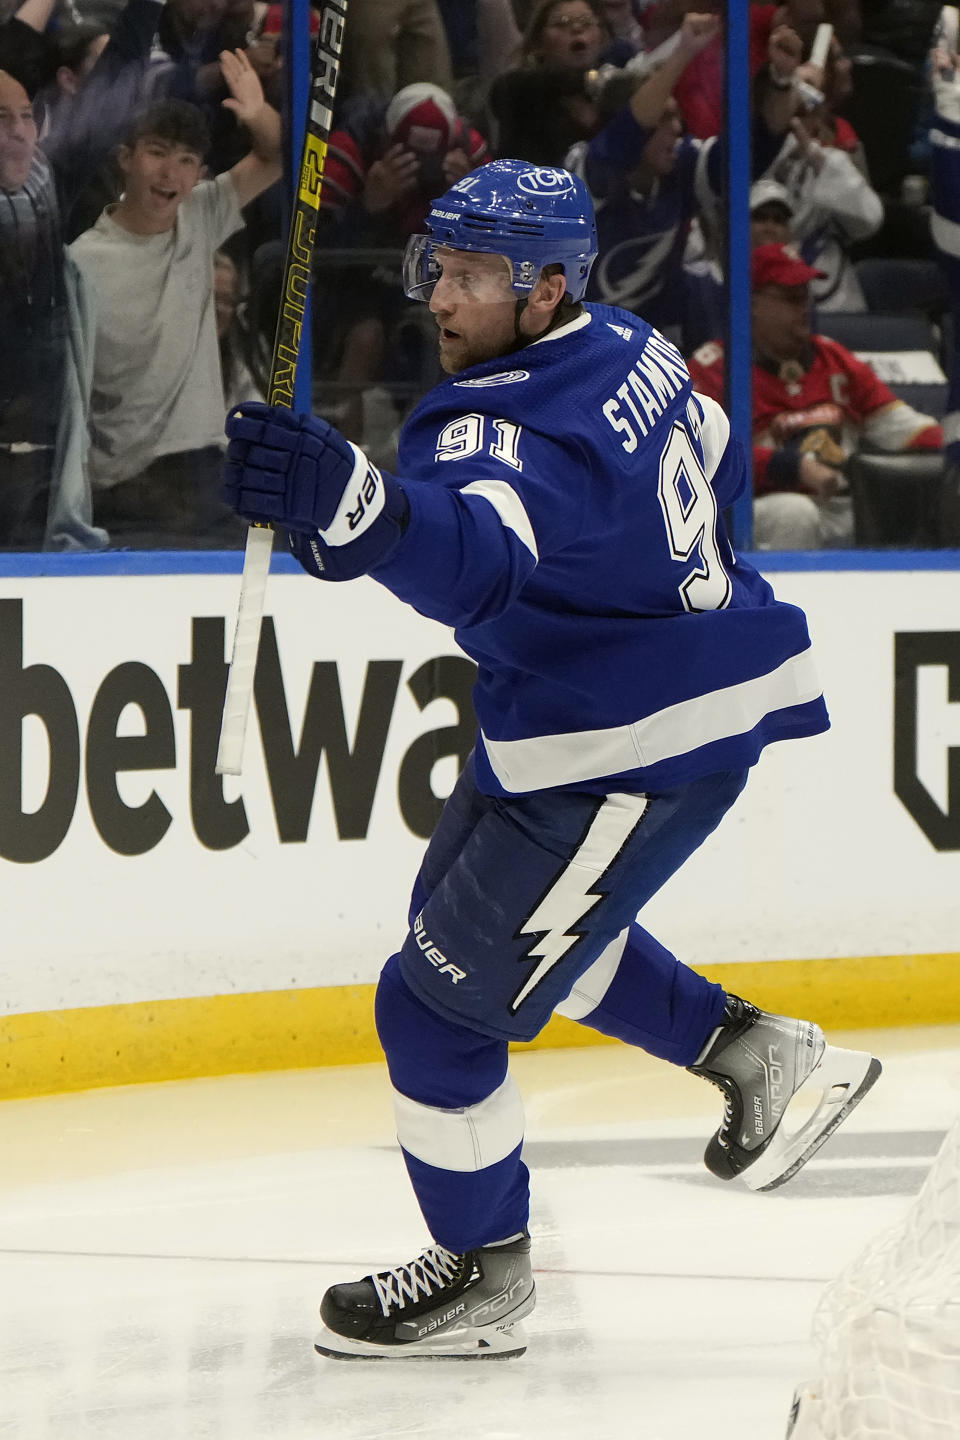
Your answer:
<point x="324" y="70"/>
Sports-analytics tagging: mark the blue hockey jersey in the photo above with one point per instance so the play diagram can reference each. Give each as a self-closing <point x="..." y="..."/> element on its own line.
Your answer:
<point x="565" y="518"/>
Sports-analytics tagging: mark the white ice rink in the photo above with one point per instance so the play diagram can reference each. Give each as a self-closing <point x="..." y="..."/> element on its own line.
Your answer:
<point x="163" y="1250"/>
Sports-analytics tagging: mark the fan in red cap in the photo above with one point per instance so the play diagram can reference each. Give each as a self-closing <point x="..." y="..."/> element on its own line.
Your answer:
<point x="814" y="404"/>
<point x="422" y="117"/>
<point x="401" y="158"/>
<point x="781" y="265"/>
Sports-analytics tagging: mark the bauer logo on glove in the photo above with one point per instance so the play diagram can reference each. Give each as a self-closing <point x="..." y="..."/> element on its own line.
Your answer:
<point x="296" y="471"/>
<point x="370" y="490"/>
<point x="362" y="502"/>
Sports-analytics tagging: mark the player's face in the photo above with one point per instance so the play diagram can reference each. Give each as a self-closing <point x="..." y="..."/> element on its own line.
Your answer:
<point x="18" y="133"/>
<point x="781" y="321"/>
<point x="474" y="307"/>
<point x="158" y="176"/>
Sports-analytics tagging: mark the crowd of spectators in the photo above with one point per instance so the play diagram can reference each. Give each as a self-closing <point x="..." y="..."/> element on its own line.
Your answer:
<point x="142" y="213"/>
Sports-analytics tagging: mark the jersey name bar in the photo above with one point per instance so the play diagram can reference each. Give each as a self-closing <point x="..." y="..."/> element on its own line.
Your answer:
<point x="651" y="383"/>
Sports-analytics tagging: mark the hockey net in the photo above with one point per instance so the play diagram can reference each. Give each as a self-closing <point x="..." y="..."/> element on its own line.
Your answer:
<point x="888" y="1328"/>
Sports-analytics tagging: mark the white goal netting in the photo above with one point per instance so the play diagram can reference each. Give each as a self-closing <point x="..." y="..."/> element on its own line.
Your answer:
<point x="888" y="1328"/>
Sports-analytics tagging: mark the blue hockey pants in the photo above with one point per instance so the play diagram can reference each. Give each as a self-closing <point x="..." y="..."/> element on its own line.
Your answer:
<point x="522" y="907"/>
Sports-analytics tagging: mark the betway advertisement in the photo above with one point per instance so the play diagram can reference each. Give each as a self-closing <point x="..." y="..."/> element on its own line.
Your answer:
<point x="131" y="871"/>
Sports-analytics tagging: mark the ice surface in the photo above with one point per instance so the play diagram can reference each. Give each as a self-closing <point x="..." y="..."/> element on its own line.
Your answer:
<point x="163" y="1250"/>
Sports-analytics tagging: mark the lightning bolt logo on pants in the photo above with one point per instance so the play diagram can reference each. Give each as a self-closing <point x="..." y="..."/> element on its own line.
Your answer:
<point x="576" y="889"/>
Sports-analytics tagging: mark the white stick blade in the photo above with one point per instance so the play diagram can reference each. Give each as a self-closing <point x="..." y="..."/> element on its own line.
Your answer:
<point x="246" y="643"/>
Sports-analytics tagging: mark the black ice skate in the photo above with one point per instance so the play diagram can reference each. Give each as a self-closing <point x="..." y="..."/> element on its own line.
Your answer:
<point x="763" y="1063"/>
<point x="440" y="1306"/>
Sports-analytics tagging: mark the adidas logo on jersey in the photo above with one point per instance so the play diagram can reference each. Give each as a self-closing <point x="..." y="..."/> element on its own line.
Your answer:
<point x="623" y="331"/>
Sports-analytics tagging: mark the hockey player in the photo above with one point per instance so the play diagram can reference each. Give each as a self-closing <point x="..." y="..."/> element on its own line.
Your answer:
<point x="558" y="501"/>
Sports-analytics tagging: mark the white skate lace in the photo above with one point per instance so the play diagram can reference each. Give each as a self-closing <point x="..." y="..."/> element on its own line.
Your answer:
<point x="724" y="1131"/>
<point x="433" y="1270"/>
<point x="727" y="1120"/>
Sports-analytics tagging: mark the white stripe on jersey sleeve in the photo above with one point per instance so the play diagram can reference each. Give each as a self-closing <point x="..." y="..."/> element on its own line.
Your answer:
<point x="465" y="1140"/>
<point x="715" y="433"/>
<point x="509" y="507"/>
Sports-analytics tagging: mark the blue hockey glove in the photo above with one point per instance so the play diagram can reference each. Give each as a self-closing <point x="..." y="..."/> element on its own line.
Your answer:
<point x="298" y="472"/>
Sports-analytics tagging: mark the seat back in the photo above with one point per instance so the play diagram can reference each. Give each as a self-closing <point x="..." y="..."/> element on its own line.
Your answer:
<point x="883" y="109"/>
<point x="864" y="330"/>
<point x="928" y="399"/>
<point x="892" y="286"/>
<point x="902" y="349"/>
<point x="897" y="499"/>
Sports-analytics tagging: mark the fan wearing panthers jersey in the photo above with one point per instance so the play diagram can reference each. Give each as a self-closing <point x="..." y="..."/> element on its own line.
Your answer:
<point x="814" y="404"/>
<point x="558" y="502"/>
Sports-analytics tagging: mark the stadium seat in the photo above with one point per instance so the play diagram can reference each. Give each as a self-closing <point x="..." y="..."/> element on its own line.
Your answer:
<point x="893" y="286"/>
<point x="949" y="508"/>
<point x="904" y="351"/>
<point x="867" y="331"/>
<point x="897" y="499"/>
<point x="928" y="399"/>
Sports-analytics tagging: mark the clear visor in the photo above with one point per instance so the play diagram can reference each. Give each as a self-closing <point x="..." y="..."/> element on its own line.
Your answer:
<point x="477" y="276"/>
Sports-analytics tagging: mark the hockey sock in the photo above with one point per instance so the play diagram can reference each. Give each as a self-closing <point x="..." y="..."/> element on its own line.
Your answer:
<point x="459" y="1120"/>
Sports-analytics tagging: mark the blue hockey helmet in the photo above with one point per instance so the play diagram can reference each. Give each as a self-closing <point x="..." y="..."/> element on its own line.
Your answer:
<point x="534" y="215"/>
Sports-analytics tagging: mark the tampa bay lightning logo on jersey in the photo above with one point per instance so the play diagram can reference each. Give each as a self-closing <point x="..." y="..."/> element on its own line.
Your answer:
<point x="504" y="377"/>
<point x="544" y="180"/>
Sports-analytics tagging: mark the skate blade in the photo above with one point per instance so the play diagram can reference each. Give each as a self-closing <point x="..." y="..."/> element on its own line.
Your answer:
<point x="843" y="1077"/>
<point x="485" y="1344"/>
